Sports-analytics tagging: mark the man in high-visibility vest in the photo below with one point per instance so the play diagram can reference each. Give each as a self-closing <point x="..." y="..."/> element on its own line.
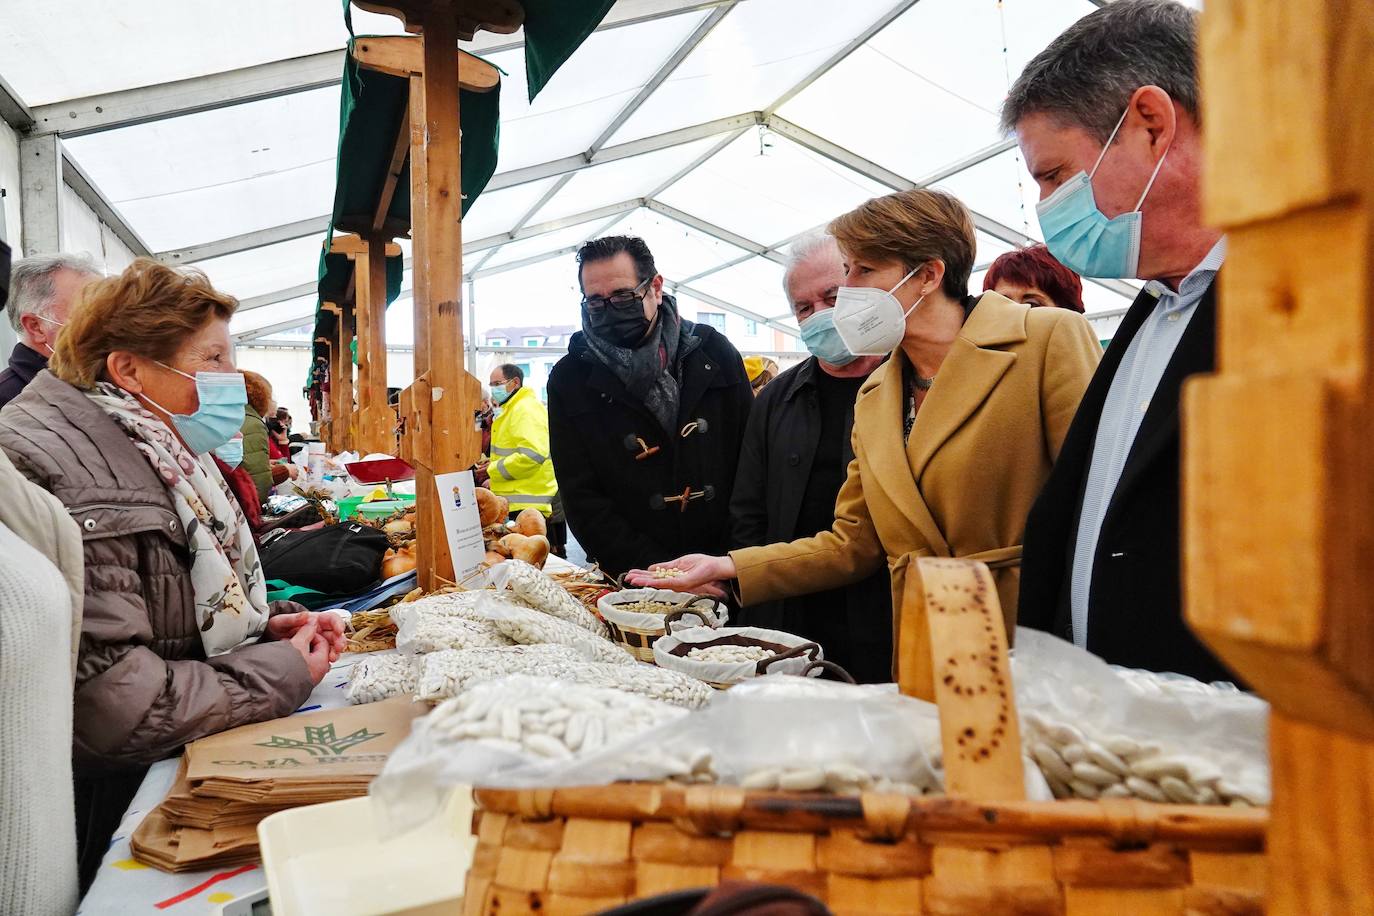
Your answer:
<point x="520" y="467"/>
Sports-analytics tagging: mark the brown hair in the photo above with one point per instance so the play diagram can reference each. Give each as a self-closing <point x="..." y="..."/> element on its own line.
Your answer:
<point x="149" y="309"/>
<point x="259" y="391"/>
<point x="913" y="227"/>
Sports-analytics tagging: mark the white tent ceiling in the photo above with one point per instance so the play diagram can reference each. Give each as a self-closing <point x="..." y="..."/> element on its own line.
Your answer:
<point x="717" y="130"/>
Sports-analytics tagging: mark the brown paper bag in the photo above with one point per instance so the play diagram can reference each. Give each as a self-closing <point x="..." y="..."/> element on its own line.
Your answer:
<point x="320" y="756"/>
<point x="158" y="843"/>
<point x="203" y="812"/>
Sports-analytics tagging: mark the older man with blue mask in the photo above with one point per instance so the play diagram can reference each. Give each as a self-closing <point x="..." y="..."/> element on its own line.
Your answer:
<point x="1108" y="120"/>
<point x="794" y="458"/>
<point x="42" y="289"/>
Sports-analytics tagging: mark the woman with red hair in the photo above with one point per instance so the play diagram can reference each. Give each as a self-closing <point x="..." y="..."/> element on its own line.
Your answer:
<point x="1033" y="277"/>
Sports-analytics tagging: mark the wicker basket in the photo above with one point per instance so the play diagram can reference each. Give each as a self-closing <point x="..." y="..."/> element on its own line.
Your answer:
<point x="983" y="850"/>
<point x="639" y="641"/>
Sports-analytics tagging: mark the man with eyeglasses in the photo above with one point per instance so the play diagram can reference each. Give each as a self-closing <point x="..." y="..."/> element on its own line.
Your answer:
<point x="646" y="416"/>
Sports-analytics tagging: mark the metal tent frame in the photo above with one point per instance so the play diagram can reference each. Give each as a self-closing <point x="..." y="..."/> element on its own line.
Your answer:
<point x="46" y="165"/>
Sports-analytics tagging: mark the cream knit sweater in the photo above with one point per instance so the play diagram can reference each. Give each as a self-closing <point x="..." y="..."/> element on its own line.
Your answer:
<point x="37" y="838"/>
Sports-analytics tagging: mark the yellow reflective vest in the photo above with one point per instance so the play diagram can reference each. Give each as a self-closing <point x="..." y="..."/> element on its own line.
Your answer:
<point x="520" y="468"/>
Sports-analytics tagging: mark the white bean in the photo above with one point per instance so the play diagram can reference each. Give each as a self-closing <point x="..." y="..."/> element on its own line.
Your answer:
<point x="1143" y="788"/>
<point x="1092" y="773"/>
<point x="729" y="654"/>
<point x="549" y="719"/>
<point x="534" y="587"/>
<point x="380" y="677"/>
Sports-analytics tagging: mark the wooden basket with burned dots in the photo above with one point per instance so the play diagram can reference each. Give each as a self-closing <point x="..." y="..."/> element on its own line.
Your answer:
<point x="981" y="849"/>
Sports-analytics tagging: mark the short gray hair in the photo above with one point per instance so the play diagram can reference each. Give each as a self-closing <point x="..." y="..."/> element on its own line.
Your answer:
<point x="32" y="287"/>
<point x="1087" y="75"/>
<point x="808" y="244"/>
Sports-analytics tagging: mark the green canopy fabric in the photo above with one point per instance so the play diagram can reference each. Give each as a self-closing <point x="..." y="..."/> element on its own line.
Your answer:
<point x="372" y="107"/>
<point x="335" y="272"/>
<point x="554" y="29"/>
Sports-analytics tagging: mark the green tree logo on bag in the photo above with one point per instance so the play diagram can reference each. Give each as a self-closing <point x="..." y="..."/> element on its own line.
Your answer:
<point x="321" y="741"/>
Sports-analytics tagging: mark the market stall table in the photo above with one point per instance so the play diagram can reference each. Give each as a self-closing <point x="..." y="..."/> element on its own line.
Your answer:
<point x="124" y="885"/>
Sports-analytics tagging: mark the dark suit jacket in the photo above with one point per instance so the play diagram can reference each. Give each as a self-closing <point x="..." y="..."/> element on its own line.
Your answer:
<point x="1135" y="608"/>
<point x="25" y="363"/>
<point x="614" y="502"/>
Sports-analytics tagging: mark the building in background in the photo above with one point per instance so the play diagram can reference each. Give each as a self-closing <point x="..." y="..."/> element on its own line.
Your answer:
<point x="534" y="348"/>
<point x="751" y="336"/>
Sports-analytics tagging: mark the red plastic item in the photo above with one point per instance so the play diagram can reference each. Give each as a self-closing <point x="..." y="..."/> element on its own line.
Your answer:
<point x="380" y="470"/>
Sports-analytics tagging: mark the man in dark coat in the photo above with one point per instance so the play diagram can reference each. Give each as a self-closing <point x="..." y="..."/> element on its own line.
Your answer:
<point x="796" y="453"/>
<point x="1115" y="98"/>
<point x="646" y="414"/>
<point x="41" y="292"/>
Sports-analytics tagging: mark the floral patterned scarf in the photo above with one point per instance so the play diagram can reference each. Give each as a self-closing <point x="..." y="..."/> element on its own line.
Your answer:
<point x="226" y="575"/>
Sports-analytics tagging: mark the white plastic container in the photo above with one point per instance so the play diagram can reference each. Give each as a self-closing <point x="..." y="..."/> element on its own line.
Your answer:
<point x="305" y="851"/>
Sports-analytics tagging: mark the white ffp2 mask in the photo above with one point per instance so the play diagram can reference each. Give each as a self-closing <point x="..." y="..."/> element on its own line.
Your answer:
<point x="870" y="320"/>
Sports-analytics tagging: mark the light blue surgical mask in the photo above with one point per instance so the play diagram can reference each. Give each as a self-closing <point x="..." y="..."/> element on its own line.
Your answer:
<point x="223" y="397"/>
<point x="499" y="394"/>
<point x="1081" y="237"/>
<point x="55" y="323"/>
<point x="231" y="452"/>
<point x="820" y="337"/>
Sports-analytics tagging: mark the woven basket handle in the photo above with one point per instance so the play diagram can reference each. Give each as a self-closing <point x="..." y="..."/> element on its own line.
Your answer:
<point x="952" y="648"/>
<point x="830" y="668"/>
<point x="674" y="616"/>
<point x="716" y="604"/>
<point x="807" y="647"/>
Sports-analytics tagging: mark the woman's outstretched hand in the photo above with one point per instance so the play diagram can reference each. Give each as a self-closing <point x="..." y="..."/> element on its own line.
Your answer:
<point x="695" y="572"/>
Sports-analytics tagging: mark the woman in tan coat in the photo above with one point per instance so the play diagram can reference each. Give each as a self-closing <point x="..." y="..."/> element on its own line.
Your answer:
<point x="953" y="437"/>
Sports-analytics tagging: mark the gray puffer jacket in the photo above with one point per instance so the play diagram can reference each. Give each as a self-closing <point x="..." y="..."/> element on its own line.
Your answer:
<point x="144" y="687"/>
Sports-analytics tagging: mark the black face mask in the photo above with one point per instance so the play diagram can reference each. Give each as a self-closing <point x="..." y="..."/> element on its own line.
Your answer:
<point x="621" y="325"/>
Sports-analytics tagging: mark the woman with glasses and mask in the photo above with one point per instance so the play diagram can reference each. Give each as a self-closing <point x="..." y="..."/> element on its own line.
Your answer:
<point x="178" y="639"/>
<point x="953" y="436"/>
<point x="646" y="416"/>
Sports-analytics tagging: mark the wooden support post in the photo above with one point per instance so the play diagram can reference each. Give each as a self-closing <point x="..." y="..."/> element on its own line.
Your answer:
<point x="432" y="554"/>
<point x="438" y="410"/>
<point x="341" y="382"/>
<point x="371" y="282"/>
<point x="454" y="395"/>
<point x="1279" y="483"/>
<point x="374" y="421"/>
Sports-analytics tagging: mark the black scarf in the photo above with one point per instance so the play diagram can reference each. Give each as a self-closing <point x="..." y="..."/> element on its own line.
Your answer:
<point x="650" y="370"/>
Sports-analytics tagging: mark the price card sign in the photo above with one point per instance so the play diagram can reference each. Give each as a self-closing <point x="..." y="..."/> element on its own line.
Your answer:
<point x="462" y="522"/>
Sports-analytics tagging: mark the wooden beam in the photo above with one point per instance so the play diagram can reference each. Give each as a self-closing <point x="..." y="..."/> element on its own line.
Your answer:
<point x="402" y="55"/>
<point x="462" y="20"/>
<point x="357" y="247"/>
<point x="455" y="395"/>
<point x="371" y="299"/>
<point x="341" y="380"/>
<point x="400" y="151"/>
<point x="417" y="401"/>
<point x="1279" y="508"/>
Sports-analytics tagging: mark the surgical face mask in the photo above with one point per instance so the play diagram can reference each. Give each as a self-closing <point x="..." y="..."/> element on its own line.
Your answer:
<point x="1081" y="237"/>
<point x="870" y="321"/>
<point x="231" y="452"/>
<point x="55" y="323"/>
<point x="499" y="394"/>
<point x="223" y="397"/>
<point x="820" y="337"/>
